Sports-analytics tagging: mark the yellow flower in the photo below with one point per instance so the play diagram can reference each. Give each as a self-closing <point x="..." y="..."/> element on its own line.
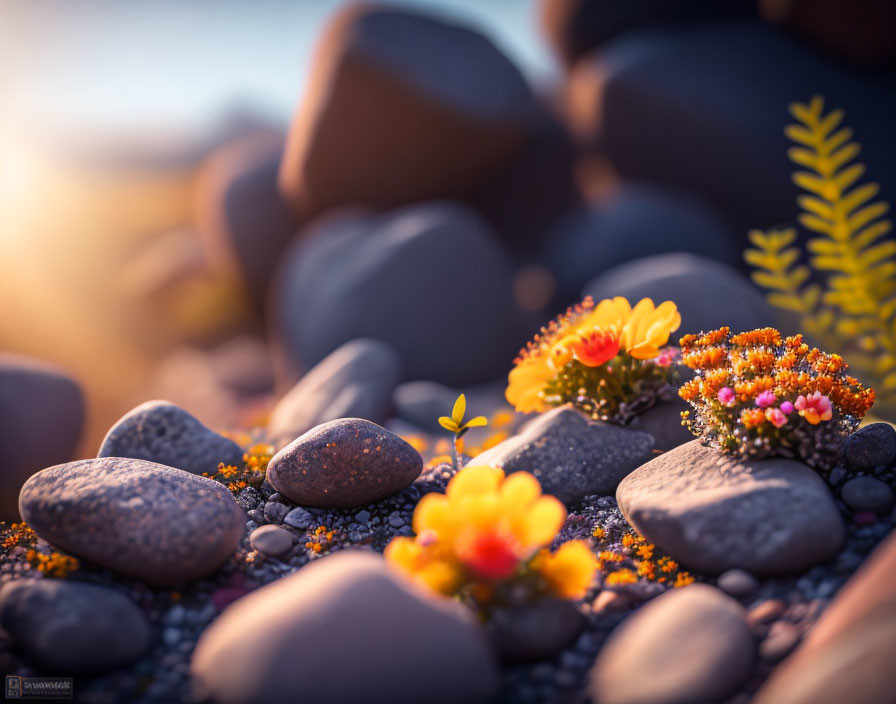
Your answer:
<point x="641" y="332"/>
<point x="569" y="571"/>
<point x="483" y="528"/>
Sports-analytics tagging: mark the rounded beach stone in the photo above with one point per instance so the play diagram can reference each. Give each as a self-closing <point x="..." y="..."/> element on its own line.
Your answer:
<point x="871" y="446"/>
<point x="571" y="455"/>
<point x="140" y="519"/>
<point x="713" y="512"/>
<point x="867" y="494"/>
<point x="72" y="627"/>
<point x="345" y="463"/>
<point x="346" y="608"/>
<point x="164" y="433"/>
<point x="534" y="632"/>
<point x="738" y="583"/>
<point x="244" y="221"/>
<point x="633" y="222"/>
<point x="416" y="278"/>
<point x="402" y="107"/>
<point x="41" y="417"/>
<point x="354" y="381"/>
<point x="690" y="645"/>
<point x="734" y="302"/>
<point x="271" y="540"/>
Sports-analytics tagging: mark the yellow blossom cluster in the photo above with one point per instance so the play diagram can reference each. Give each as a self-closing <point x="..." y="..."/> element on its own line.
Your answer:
<point x="489" y="532"/>
<point x="320" y="540"/>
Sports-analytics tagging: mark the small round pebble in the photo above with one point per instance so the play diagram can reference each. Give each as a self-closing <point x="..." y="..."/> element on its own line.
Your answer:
<point x="873" y="445"/>
<point x="780" y="641"/>
<point x="275" y="512"/>
<point x="273" y="541"/>
<point x="298" y="518"/>
<point x="867" y="494"/>
<point x="737" y="582"/>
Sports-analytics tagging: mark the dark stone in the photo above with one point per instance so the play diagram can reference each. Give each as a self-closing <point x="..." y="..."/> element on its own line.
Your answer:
<point x="576" y="27"/>
<point x="708" y="294"/>
<point x="663" y="422"/>
<point x="161" y="432"/>
<point x="737" y="583"/>
<point x="345" y="463"/>
<point x="867" y="494"/>
<point x="402" y="108"/>
<point x="354" y="381"/>
<point x="421" y="279"/>
<point x="571" y="455"/>
<point x="635" y="221"/>
<point x="687" y="645"/>
<point x="349" y="608"/>
<point x="274" y="512"/>
<point x="534" y="632"/>
<point x="244" y="221"/>
<point x="140" y="519"/>
<point x="863" y="31"/>
<point x="41" y="417"/>
<point x="702" y="108"/>
<point x="298" y="518"/>
<point x="273" y="541"/>
<point x="873" y="445"/>
<point x="713" y="512"/>
<point x="73" y="627"/>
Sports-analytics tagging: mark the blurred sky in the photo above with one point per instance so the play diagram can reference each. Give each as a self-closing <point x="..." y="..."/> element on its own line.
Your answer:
<point x="76" y="68"/>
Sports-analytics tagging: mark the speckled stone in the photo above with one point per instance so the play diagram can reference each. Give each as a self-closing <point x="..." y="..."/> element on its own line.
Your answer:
<point x="291" y="639"/>
<point x="144" y="520"/>
<point x="162" y="432"/>
<point x="571" y="455"/>
<point x="271" y="540"/>
<point x="345" y="463"/>
<point x="688" y="645"/>
<point x="712" y="512"/>
<point x="72" y="627"/>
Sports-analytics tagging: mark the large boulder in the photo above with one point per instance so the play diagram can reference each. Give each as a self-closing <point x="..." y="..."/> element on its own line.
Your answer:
<point x="850" y="653"/>
<point x="164" y="433"/>
<point x="354" y="381"/>
<point x="345" y="463"/>
<point x="397" y="643"/>
<point x="72" y="627"/>
<point x="708" y="294"/>
<point x="713" y="512"/>
<point x="244" y="221"/>
<point x="158" y="524"/>
<point x="703" y="108"/>
<point x="571" y="455"/>
<point x="425" y="279"/>
<point x="41" y="417"/>
<point x="402" y="107"/>
<point x="689" y="646"/>
<point x="635" y="221"/>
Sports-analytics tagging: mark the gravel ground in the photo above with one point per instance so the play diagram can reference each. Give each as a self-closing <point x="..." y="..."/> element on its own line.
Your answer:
<point x="780" y="610"/>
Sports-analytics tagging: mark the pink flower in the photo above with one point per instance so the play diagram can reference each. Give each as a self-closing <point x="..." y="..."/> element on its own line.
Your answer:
<point x="814" y="408"/>
<point x="666" y="357"/>
<point x="765" y="399"/>
<point x="775" y="417"/>
<point x="787" y="408"/>
<point x="726" y="396"/>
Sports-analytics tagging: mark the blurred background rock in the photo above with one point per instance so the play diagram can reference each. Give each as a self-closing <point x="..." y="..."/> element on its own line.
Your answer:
<point x="201" y="201"/>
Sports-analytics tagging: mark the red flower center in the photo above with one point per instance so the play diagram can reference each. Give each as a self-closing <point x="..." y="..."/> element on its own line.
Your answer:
<point x="490" y="556"/>
<point x="596" y="347"/>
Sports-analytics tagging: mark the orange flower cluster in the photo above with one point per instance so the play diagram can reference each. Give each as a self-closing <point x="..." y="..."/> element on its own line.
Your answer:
<point x="636" y="560"/>
<point x="20" y="537"/>
<point x="761" y="394"/>
<point x="252" y="473"/>
<point x="321" y="539"/>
